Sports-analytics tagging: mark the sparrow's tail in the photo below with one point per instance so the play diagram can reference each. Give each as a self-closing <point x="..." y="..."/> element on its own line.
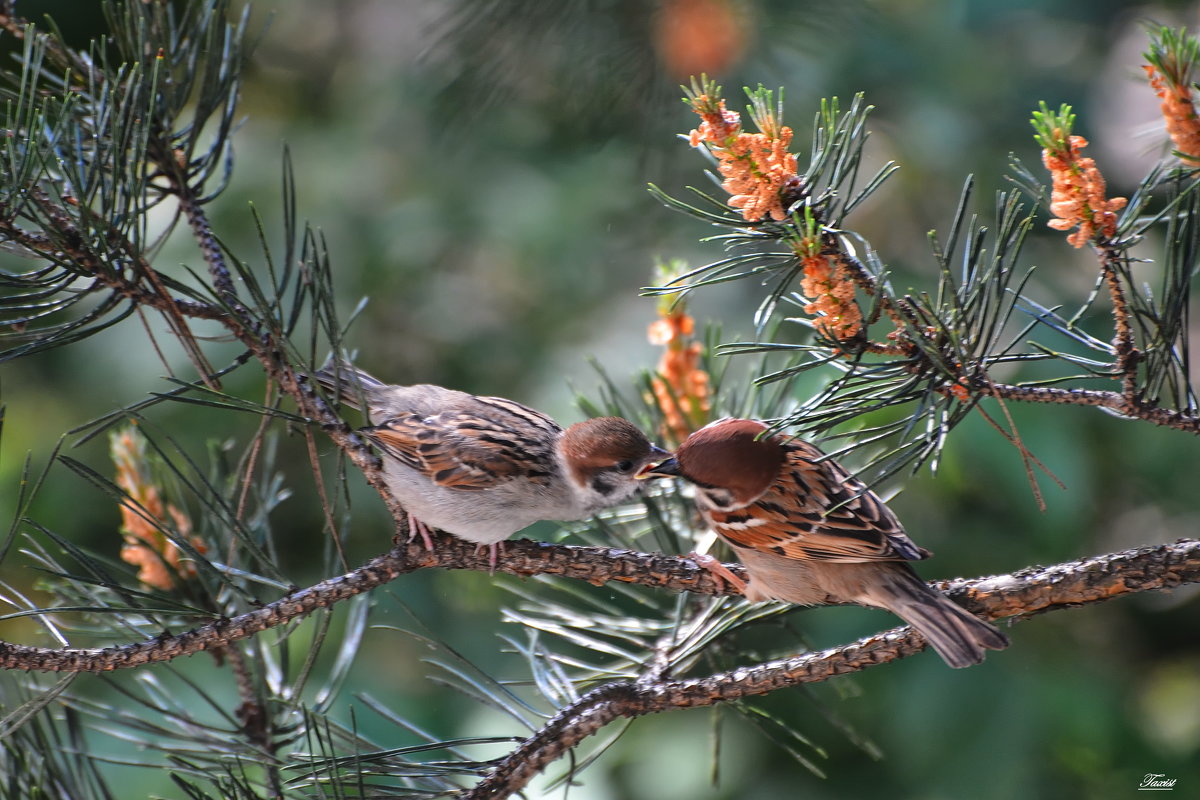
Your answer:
<point x="352" y="385"/>
<point x="958" y="636"/>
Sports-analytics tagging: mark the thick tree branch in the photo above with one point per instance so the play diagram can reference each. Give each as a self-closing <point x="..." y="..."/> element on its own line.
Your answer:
<point x="1020" y="593"/>
<point x="596" y="565"/>
<point x="612" y="701"/>
<point x="1016" y="595"/>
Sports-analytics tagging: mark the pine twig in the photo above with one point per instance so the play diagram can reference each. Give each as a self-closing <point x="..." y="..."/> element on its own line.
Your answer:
<point x="1124" y="346"/>
<point x="1113" y="401"/>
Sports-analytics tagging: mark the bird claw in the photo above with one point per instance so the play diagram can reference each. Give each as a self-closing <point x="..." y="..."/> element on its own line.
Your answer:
<point x="496" y="548"/>
<point x="719" y="571"/>
<point x="418" y="528"/>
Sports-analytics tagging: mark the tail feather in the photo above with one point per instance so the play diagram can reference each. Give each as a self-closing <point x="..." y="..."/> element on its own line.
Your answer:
<point x="351" y="384"/>
<point x="958" y="636"/>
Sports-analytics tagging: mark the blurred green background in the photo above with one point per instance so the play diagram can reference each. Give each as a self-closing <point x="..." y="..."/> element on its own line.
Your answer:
<point x="478" y="170"/>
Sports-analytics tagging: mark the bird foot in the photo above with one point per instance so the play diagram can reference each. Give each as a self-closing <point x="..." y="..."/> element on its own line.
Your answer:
<point x="418" y="528"/>
<point x="496" y="548"/>
<point x="718" y="570"/>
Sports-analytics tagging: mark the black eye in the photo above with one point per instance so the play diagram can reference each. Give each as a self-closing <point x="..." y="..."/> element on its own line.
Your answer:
<point x="624" y="466"/>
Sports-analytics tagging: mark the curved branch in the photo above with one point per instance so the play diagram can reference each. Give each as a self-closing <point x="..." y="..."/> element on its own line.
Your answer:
<point x="612" y="701"/>
<point x="524" y="557"/>
<point x="1019" y="594"/>
<point x="217" y="634"/>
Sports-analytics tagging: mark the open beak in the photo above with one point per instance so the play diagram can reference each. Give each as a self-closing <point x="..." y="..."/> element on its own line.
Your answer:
<point x="668" y="468"/>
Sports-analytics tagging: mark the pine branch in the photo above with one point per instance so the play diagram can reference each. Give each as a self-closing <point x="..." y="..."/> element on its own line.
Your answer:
<point x="1017" y="595"/>
<point x="1116" y="402"/>
<point x="938" y="360"/>
<point x="596" y="565"/>
<point x="1025" y="592"/>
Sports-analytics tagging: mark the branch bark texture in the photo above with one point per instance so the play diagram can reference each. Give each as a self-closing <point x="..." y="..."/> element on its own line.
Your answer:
<point x="1017" y="595"/>
<point x="1022" y="593"/>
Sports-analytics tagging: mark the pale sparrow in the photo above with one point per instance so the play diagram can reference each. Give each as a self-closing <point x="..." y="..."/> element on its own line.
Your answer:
<point x="483" y="468"/>
<point x="808" y="532"/>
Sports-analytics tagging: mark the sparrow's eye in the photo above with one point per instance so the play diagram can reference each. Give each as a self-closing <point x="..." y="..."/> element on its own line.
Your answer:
<point x="624" y="466"/>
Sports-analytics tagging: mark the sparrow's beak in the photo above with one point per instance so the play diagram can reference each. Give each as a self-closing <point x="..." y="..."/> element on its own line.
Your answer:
<point x="663" y="469"/>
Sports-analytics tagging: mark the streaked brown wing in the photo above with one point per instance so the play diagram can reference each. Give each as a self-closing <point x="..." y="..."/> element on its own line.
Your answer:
<point x="472" y="448"/>
<point x="817" y="510"/>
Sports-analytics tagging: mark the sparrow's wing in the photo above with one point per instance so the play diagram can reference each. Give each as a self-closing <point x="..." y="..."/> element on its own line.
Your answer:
<point x="476" y="445"/>
<point x="817" y="510"/>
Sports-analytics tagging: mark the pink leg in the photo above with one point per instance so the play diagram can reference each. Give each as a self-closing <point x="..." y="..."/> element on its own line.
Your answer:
<point x="718" y="571"/>
<point x="496" y="548"/>
<point x="418" y="528"/>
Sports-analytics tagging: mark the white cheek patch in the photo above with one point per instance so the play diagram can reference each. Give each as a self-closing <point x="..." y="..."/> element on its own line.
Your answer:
<point x="718" y="500"/>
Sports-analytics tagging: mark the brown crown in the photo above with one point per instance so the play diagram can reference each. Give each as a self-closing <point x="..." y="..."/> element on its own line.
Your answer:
<point x="730" y="454"/>
<point x="605" y="441"/>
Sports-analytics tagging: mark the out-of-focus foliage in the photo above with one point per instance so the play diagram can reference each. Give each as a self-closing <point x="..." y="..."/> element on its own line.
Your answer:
<point x="478" y="170"/>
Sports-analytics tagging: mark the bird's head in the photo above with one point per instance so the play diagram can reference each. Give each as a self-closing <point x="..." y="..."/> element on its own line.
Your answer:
<point x="732" y="462"/>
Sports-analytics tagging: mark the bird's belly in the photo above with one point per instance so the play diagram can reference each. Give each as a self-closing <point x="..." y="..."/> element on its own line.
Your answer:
<point x="484" y="516"/>
<point x="774" y="577"/>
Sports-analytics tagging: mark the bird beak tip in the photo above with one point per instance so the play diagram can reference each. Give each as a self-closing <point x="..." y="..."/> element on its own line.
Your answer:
<point x="661" y="469"/>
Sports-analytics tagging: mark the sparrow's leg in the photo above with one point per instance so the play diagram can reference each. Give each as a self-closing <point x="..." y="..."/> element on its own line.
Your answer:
<point x="718" y="571"/>
<point x="418" y="528"/>
<point x="496" y="548"/>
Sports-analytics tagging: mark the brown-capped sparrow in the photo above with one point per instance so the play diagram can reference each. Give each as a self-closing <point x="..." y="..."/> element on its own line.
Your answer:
<point x="808" y="532"/>
<point x="483" y="468"/>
